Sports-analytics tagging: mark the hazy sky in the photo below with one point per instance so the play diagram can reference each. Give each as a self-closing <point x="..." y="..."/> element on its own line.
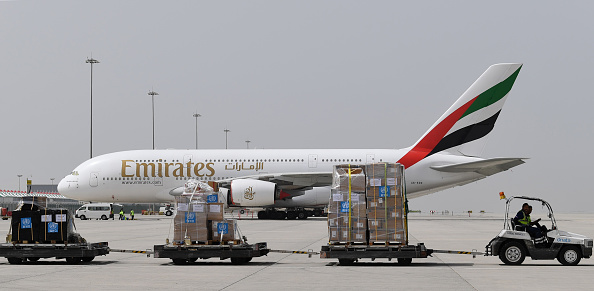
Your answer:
<point x="298" y="74"/>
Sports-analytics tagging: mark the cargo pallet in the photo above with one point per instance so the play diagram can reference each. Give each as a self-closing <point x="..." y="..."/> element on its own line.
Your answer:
<point x="184" y="254"/>
<point x="349" y="253"/>
<point x="17" y="253"/>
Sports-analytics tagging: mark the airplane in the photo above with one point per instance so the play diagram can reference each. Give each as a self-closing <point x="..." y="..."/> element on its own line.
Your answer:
<point x="447" y="155"/>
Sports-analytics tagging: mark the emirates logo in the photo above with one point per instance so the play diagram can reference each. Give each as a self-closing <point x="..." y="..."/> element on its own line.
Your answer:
<point x="249" y="193"/>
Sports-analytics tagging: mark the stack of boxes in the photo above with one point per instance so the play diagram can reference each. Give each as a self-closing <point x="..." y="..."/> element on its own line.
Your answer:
<point x="199" y="217"/>
<point x="367" y="204"/>
<point x="385" y="203"/>
<point x="347" y="210"/>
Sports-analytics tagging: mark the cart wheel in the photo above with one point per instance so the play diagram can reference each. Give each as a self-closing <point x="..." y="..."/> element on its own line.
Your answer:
<point x="570" y="256"/>
<point x="512" y="253"/>
<point x="72" y="260"/>
<point x="291" y="215"/>
<point x="14" y="260"/>
<point x="88" y="259"/>
<point x="240" y="261"/>
<point x="179" y="261"/>
<point x="35" y="259"/>
<point x="404" y="261"/>
<point x="346" y="262"/>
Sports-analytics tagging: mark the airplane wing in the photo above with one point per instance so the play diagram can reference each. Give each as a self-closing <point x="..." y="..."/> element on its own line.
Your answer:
<point x="486" y="167"/>
<point x="291" y="181"/>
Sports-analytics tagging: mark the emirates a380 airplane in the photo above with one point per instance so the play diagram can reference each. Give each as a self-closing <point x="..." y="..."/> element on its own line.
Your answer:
<point x="447" y="155"/>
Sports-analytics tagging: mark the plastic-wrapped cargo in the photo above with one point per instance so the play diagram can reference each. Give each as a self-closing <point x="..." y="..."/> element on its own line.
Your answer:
<point x="190" y="221"/>
<point x="25" y="225"/>
<point x="386" y="211"/>
<point x="224" y="230"/>
<point x="54" y="225"/>
<point x="347" y="207"/>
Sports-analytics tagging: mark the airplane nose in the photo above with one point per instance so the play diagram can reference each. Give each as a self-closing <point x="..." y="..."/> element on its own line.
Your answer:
<point x="63" y="187"/>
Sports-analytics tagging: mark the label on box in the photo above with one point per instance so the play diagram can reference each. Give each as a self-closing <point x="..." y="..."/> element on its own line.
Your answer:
<point x="190" y="217"/>
<point x="372" y="204"/>
<point x="46" y="217"/>
<point x="26" y="222"/>
<point x="333" y="234"/>
<point x="375" y="222"/>
<point x="375" y="182"/>
<point x="198" y="207"/>
<point x="215" y="208"/>
<point x="360" y="225"/>
<point x="182" y="206"/>
<point x="358" y="236"/>
<point x="214" y="198"/>
<point x="391" y="181"/>
<point x="60" y="217"/>
<point x="384" y="191"/>
<point x="222" y="228"/>
<point x="52" y="227"/>
<point x="337" y="197"/>
<point x="355" y="198"/>
<point x="344" y="206"/>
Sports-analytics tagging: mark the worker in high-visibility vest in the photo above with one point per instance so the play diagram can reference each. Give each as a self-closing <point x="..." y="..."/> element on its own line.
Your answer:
<point x="122" y="214"/>
<point x="523" y="218"/>
<point x="132" y="214"/>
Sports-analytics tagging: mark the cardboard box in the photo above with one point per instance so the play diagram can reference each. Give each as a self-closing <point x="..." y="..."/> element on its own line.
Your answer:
<point x="190" y="224"/>
<point x="225" y="227"/>
<point x="215" y="211"/>
<point x="386" y="213"/>
<point x="342" y="178"/>
<point x="333" y="234"/>
<point x="387" y="235"/>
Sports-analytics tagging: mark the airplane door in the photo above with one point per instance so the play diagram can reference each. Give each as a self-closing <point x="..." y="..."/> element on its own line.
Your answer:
<point x="313" y="161"/>
<point x="370" y="158"/>
<point x="94" y="180"/>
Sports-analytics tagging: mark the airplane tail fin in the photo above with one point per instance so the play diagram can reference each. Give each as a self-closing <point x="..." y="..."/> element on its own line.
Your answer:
<point x="463" y="128"/>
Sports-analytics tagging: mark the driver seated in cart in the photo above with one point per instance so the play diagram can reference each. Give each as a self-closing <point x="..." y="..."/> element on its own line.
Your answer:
<point x="523" y="219"/>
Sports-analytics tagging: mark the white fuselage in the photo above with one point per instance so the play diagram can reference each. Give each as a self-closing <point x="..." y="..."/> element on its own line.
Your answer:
<point x="148" y="176"/>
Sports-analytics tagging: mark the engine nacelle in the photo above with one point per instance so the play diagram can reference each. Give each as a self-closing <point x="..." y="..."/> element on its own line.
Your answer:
<point x="247" y="192"/>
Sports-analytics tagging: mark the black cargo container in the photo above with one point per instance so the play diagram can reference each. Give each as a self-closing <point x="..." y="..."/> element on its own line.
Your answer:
<point x="54" y="225"/>
<point x="26" y="226"/>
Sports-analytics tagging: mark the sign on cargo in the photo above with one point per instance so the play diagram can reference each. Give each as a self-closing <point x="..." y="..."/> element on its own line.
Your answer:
<point x="198" y="207"/>
<point x="375" y="182"/>
<point x="182" y="207"/>
<point x="26" y="222"/>
<point x="60" y="217"/>
<point x="222" y="228"/>
<point x="391" y="181"/>
<point x="384" y="191"/>
<point x="337" y="197"/>
<point x="46" y="217"/>
<point x="190" y="217"/>
<point x="214" y="198"/>
<point x="52" y="227"/>
<point x="344" y="206"/>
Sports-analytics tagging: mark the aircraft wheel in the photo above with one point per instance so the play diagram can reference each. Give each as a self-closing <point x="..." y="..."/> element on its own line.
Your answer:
<point x="570" y="256"/>
<point x="291" y="215"/>
<point x="512" y="253"/>
<point x="317" y="213"/>
<point x="302" y="215"/>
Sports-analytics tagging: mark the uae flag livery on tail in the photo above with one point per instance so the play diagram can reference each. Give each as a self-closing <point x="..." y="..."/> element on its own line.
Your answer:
<point x="463" y="128"/>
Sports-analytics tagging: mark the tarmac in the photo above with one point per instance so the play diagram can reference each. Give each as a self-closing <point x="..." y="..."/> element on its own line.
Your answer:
<point x="127" y="271"/>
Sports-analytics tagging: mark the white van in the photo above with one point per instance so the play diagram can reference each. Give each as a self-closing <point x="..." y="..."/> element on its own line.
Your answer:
<point x="95" y="211"/>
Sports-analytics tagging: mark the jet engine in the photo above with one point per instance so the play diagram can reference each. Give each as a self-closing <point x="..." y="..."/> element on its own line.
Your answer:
<point x="247" y="192"/>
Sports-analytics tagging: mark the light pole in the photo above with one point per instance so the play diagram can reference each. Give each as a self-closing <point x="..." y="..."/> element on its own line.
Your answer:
<point x="247" y="144"/>
<point x="196" y="115"/>
<point x="226" y="132"/>
<point x="153" y="93"/>
<point x="19" y="182"/>
<point x="52" y="181"/>
<point x="92" y="61"/>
